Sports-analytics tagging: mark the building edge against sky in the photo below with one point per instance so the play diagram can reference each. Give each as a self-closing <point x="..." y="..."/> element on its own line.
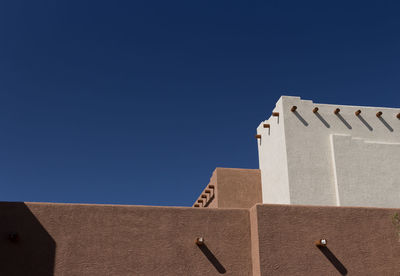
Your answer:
<point x="314" y="160"/>
<point x="336" y="155"/>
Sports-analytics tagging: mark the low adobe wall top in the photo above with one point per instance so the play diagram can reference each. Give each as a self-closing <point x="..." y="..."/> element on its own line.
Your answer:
<point x="75" y="239"/>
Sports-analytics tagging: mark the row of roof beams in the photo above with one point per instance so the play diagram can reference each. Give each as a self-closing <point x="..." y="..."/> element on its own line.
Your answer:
<point x="315" y="110"/>
<point x="205" y="197"/>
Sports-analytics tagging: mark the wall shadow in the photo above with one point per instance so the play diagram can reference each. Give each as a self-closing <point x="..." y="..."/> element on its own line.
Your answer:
<point x="213" y="260"/>
<point x="365" y="122"/>
<point x="344" y="121"/>
<point x="322" y="119"/>
<point x="300" y="118"/>
<point x="26" y="247"/>
<point x="209" y="200"/>
<point x="386" y="124"/>
<point x="332" y="258"/>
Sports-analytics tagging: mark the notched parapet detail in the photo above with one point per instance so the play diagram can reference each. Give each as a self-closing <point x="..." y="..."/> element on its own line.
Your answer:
<point x="206" y="197"/>
<point x="298" y="162"/>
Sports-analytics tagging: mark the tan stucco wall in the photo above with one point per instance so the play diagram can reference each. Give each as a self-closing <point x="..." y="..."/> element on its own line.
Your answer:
<point x="365" y="241"/>
<point x="98" y="240"/>
<point x="238" y="188"/>
<point x="233" y="188"/>
<point x="73" y="239"/>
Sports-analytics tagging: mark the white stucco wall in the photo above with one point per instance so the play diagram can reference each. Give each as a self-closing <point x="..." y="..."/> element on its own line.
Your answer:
<point x="330" y="159"/>
<point x="272" y="159"/>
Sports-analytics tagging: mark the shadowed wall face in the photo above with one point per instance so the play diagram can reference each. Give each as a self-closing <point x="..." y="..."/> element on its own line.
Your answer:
<point x="26" y="246"/>
<point x="132" y="240"/>
<point x="361" y="241"/>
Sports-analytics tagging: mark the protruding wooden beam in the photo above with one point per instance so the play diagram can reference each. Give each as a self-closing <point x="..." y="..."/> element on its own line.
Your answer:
<point x="398" y="116"/>
<point x="358" y="112"/>
<point x="268" y="125"/>
<point x="200" y="241"/>
<point x="315" y="110"/>
<point x="293" y="109"/>
<point x="258" y="136"/>
<point x="337" y="110"/>
<point x="379" y="114"/>
<point x="321" y="242"/>
<point x="196" y="205"/>
<point x="275" y="114"/>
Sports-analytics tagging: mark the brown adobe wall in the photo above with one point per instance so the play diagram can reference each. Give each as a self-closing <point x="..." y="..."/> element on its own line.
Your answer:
<point x="232" y="188"/>
<point x="99" y="240"/>
<point x="361" y="241"/>
<point x="73" y="239"/>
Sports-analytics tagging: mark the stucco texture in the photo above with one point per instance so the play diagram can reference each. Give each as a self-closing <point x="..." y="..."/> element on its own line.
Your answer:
<point x="232" y="188"/>
<point x="73" y="239"/>
<point x="238" y="188"/>
<point x="301" y="163"/>
<point x="361" y="241"/>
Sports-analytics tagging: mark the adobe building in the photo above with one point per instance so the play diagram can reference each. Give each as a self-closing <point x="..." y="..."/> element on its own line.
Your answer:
<point x="320" y="154"/>
<point x="326" y="201"/>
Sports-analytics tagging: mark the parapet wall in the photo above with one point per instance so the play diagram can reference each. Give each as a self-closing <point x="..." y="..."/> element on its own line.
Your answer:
<point x="231" y="188"/>
<point x="360" y="241"/>
<point x="337" y="155"/>
<point x="75" y="239"/>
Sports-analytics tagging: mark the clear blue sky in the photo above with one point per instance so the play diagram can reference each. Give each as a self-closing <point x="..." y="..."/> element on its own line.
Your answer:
<point x="136" y="102"/>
